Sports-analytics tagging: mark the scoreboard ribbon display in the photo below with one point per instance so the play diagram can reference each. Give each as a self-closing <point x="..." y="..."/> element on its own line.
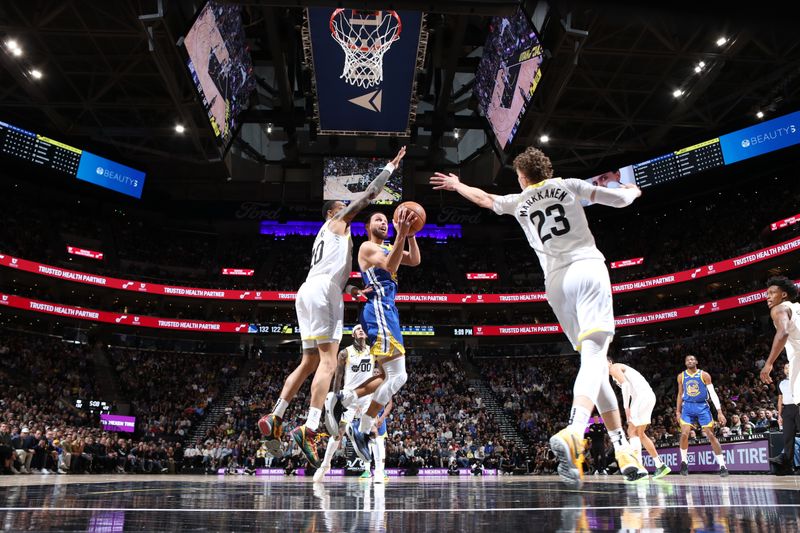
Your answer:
<point x="381" y="100"/>
<point x="81" y="313"/>
<point x="756" y="256"/>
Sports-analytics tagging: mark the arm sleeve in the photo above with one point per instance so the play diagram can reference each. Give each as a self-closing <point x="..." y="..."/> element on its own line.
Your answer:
<point x="505" y="205"/>
<point x="626" y="394"/>
<point x="714" y="398"/>
<point x="602" y="195"/>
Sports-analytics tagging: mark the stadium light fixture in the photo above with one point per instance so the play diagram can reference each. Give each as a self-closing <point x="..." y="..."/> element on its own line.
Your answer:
<point x="179" y="128"/>
<point x="36" y="73"/>
<point x="760" y="114"/>
<point x="544" y="139"/>
<point x="455" y="134"/>
<point x="16" y="51"/>
<point x="722" y="40"/>
<point x="269" y="128"/>
<point x="677" y="93"/>
<point x="12" y="44"/>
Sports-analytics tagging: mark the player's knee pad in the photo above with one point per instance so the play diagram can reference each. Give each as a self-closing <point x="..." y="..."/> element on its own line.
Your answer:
<point x="395" y="378"/>
<point x="590" y="375"/>
<point x="606" y="399"/>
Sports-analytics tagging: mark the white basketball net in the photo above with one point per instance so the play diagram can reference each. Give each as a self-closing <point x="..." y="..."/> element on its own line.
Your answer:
<point x="364" y="38"/>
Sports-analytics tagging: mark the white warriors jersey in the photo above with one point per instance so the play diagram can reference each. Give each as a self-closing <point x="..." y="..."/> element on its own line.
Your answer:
<point x="359" y="366"/>
<point x="332" y="256"/>
<point x="793" y="342"/>
<point x="552" y="217"/>
<point x="639" y="385"/>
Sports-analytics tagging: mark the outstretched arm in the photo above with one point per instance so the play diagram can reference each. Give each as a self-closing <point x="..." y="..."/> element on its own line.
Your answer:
<point x="622" y="196"/>
<point x="451" y="182"/>
<point x="780" y="317"/>
<point x="373" y="190"/>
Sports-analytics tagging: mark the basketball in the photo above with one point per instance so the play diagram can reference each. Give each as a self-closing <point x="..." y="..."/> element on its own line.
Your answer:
<point x="418" y="209"/>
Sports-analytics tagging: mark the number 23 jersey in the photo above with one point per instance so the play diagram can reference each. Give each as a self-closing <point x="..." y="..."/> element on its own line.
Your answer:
<point x="552" y="217"/>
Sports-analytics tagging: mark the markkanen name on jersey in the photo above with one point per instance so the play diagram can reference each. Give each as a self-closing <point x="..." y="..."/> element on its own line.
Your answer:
<point x="558" y="194"/>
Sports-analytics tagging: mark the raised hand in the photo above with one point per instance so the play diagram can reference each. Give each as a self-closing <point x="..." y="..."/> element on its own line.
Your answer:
<point x="399" y="157"/>
<point x="446" y="182"/>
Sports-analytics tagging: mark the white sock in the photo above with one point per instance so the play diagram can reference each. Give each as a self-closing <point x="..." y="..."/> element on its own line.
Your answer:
<point x="381" y="445"/>
<point x="365" y="424"/>
<point x="349" y="396"/>
<point x="333" y="445"/>
<point x="657" y="460"/>
<point x="579" y="419"/>
<point x="720" y="460"/>
<point x="379" y="455"/>
<point x="374" y="452"/>
<point x="685" y="456"/>
<point x="636" y="445"/>
<point x="618" y="439"/>
<point x="280" y="407"/>
<point x="312" y="421"/>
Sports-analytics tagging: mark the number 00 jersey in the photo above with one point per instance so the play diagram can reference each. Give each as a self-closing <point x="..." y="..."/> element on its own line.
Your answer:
<point x="552" y="217"/>
<point x="359" y="366"/>
<point x="332" y="255"/>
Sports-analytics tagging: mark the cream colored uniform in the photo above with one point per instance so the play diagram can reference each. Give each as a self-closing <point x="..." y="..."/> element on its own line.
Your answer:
<point x="638" y="395"/>
<point x="793" y="347"/>
<point x="359" y="367"/>
<point x="576" y="278"/>
<point x="319" y="304"/>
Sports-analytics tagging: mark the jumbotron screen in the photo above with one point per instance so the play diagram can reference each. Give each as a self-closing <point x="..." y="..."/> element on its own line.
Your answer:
<point x="346" y="177"/>
<point x="220" y="65"/>
<point x="508" y="74"/>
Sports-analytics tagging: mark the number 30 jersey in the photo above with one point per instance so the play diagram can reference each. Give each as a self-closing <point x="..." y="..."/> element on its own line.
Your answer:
<point x="332" y="255"/>
<point x="552" y="217"/>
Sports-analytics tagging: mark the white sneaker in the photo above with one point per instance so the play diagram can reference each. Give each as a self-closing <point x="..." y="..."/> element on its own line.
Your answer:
<point x="319" y="475"/>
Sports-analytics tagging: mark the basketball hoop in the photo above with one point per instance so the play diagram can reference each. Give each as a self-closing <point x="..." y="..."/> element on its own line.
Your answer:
<point x="364" y="37"/>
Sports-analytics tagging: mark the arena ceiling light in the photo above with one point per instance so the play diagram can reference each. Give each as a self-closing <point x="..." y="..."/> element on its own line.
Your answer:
<point x="722" y="40"/>
<point x="760" y="114"/>
<point x="677" y="93"/>
<point x="455" y="134"/>
<point x="179" y="128"/>
<point x="544" y="139"/>
<point x="13" y="47"/>
<point x="269" y="128"/>
<point x="36" y="73"/>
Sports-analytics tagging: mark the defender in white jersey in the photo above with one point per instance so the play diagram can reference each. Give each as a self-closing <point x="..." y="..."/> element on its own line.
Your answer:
<point x="638" y="400"/>
<point x="320" y="311"/>
<point x="356" y="366"/>
<point x="785" y="313"/>
<point x="577" y="286"/>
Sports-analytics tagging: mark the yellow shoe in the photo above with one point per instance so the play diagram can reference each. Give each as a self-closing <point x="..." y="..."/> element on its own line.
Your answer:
<point x="568" y="448"/>
<point x="630" y="466"/>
